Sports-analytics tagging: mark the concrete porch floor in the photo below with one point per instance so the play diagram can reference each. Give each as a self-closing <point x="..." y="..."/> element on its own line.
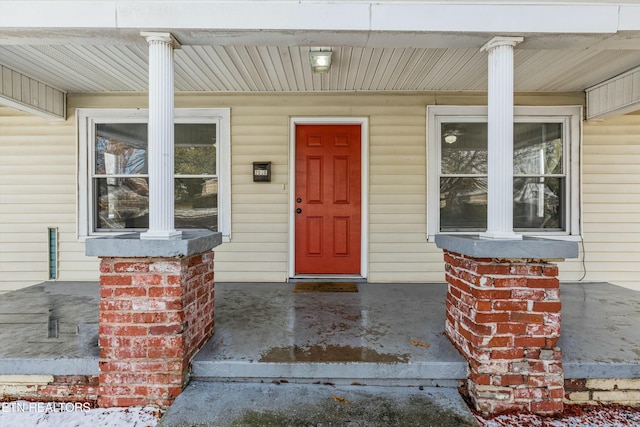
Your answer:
<point x="266" y="331"/>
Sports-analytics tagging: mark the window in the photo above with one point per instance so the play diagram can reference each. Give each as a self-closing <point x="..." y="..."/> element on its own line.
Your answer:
<point x="114" y="194"/>
<point x="545" y="170"/>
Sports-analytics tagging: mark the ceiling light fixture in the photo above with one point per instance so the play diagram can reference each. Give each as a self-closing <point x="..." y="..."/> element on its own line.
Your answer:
<point x="320" y="60"/>
<point x="450" y="139"/>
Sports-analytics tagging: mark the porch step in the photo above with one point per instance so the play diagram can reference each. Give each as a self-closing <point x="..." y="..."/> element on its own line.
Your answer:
<point x="363" y="369"/>
<point x="350" y="373"/>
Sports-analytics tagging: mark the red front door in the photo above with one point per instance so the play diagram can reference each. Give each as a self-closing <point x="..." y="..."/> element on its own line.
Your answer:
<point x="327" y="199"/>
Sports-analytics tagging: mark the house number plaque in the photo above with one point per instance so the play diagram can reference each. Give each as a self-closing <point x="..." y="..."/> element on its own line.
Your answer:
<point x="261" y="171"/>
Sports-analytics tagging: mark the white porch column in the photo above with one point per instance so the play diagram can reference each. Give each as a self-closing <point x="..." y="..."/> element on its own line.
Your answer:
<point x="161" y="135"/>
<point x="500" y="135"/>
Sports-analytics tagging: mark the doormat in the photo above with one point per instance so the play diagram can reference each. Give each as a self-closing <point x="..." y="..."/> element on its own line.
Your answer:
<point x="325" y="287"/>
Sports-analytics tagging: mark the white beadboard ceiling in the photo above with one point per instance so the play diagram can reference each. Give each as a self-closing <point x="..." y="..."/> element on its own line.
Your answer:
<point x="81" y="68"/>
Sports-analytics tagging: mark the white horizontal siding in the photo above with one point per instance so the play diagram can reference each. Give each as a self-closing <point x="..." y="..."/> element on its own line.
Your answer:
<point x="611" y="201"/>
<point x="258" y="250"/>
<point x="37" y="191"/>
<point x="38" y="187"/>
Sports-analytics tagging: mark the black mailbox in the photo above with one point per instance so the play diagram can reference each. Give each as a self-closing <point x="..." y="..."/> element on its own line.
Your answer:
<point x="261" y="171"/>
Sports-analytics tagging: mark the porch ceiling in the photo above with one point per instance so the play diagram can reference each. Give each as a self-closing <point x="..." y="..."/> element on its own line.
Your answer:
<point x="95" y="46"/>
<point x="250" y="68"/>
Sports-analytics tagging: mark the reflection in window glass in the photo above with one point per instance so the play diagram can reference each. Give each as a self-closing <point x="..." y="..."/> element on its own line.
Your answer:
<point x="463" y="204"/>
<point x="196" y="203"/>
<point x="538" y="203"/>
<point x="121" y="148"/>
<point x="195" y="149"/>
<point x="120" y="178"/>
<point x="539" y="182"/>
<point x="122" y="203"/>
<point x="463" y="179"/>
<point x="463" y="148"/>
<point x="196" y="182"/>
<point x="537" y="148"/>
<point x="539" y="189"/>
<point x="121" y="185"/>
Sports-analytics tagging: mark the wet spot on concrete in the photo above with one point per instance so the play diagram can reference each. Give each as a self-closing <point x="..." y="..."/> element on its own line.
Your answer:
<point x="330" y="353"/>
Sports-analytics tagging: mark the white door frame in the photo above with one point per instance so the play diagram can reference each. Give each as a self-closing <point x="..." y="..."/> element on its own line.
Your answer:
<point x="364" y="182"/>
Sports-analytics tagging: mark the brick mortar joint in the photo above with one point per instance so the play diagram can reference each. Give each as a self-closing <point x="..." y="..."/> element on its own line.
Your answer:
<point x="524" y="289"/>
<point x="452" y="270"/>
<point x="517" y="266"/>
<point x="458" y="255"/>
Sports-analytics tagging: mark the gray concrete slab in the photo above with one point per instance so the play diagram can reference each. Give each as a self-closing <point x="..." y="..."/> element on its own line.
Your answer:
<point x="264" y="332"/>
<point x="50" y="328"/>
<point x="526" y="248"/>
<point x="131" y="245"/>
<point x="600" y="331"/>
<point x="267" y="331"/>
<point x="244" y="405"/>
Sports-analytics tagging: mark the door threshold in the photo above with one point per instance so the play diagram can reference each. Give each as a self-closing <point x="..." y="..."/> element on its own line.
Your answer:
<point x="327" y="278"/>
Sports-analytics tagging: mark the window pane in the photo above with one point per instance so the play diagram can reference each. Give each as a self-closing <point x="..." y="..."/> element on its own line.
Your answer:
<point x="121" y="148"/>
<point x="196" y="203"/>
<point x="122" y="203"/>
<point x="463" y="148"/>
<point x="463" y="204"/>
<point x="195" y="149"/>
<point x="538" y="203"/>
<point x="537" y="148"/>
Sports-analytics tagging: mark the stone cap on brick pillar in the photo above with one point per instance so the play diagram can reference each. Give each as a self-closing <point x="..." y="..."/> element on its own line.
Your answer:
<point x="130" y="245"/>
<point x="527" y="248"/>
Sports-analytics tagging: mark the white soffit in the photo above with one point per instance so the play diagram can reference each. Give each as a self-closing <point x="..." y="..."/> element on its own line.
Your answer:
<point x="30" y="95"/>
<point x="561" y="18"/>
<point x="629" y="17"/>
<point x="346" y="15"/>
<point x="616" y="96"/>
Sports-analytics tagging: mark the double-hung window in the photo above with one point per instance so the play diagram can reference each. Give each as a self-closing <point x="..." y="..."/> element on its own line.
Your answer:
<point x="114" y="180"/>
<point x="545" y="170"/>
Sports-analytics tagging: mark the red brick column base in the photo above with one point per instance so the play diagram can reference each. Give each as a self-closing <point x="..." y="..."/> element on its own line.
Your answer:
<point x="504" y="317"/>
<point x="155" y="314"/>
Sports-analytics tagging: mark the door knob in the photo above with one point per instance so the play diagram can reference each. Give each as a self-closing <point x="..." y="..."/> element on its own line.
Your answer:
<point x="298" y="211"/>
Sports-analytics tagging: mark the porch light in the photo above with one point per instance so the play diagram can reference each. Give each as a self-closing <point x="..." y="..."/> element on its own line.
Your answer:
<point x="450" y="139"/>
<point x="320" y="60"/>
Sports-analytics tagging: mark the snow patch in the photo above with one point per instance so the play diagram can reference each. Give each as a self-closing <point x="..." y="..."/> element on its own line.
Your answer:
<point x="52" y="414"/>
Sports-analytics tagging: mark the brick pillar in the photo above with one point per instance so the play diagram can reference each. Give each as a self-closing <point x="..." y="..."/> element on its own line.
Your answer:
<point x="503" y="315"/>
<point x="155" y="314"/>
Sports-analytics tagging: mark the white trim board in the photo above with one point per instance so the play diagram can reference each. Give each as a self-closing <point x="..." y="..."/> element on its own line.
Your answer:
<point x="345" y="16"/>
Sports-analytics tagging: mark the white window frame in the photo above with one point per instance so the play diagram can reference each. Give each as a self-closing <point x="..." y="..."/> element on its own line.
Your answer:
<point x="571" y="119"/>
<point x="87" y="118"/>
